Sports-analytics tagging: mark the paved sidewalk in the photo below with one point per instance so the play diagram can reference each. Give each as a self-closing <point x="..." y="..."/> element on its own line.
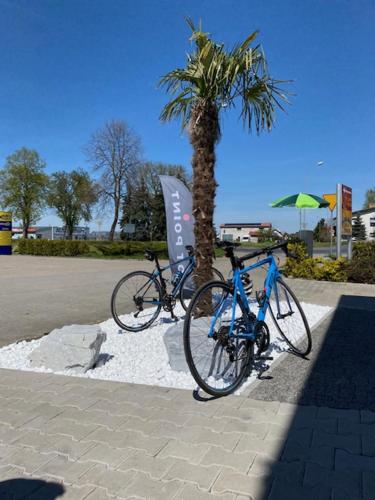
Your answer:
<point x="98" y="439"/>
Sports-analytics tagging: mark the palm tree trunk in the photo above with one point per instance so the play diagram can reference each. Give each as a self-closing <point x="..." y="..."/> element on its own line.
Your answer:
<point x="204" y="134"/>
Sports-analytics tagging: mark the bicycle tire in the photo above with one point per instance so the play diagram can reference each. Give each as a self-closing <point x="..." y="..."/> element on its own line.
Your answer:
<point x="294" y="344"/>
<point x="185" y="296"/>
<point x="131" y="325"/>
<point x="189" y="326"/>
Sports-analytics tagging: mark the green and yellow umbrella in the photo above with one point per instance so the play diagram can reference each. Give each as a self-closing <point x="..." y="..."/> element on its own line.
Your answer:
<point x="300" y="200"/>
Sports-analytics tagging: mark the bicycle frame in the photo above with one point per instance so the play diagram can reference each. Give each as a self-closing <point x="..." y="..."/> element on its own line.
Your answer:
<point x="158" y="273"/>
<point x="238" y="289"/>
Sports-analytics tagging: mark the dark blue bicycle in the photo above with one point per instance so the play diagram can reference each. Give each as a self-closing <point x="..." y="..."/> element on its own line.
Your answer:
<point x="139" y="296"/>
<point x="223" y="337"/>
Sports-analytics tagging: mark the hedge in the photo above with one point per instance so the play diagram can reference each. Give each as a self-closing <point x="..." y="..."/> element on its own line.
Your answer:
<point x="67" y="248"/>
<point x="362" y="265"/>
<point x="72" y="248"/>
<point x="128" y="248"/>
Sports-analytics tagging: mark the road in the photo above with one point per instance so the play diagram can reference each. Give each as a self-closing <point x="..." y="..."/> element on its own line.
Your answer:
<point x="38" y="294"/>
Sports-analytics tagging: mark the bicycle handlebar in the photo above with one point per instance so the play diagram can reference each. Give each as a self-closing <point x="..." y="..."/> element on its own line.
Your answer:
<point x="229" y="246"/>
<point x="266" y="250"/>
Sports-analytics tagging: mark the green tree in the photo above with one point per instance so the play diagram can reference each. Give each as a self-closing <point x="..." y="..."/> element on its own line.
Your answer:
<point x="358" y="228"/>
<point x="369" y="198"/>
<point x="23" y="187"/>
<point x="72" y="195"/>
<point x="215" y="79"/>
<point x="321" y="231"/>
<point x="144" y="201"/>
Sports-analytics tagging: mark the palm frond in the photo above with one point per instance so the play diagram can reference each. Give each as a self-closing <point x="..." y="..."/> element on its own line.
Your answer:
<point x="225" y="78"/>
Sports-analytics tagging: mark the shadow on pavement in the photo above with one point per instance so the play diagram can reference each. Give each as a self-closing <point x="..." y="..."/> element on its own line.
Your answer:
<point x="327" y="446"/>
<point x="33" y="489"/>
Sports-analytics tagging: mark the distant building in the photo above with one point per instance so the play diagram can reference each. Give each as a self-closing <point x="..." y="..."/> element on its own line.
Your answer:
<point x="59" y="233"/>
<point x="103" y="235"/>
<point x="368" y="218"/>
<point x="17" y="233"/>
<point x="242" y="231"/>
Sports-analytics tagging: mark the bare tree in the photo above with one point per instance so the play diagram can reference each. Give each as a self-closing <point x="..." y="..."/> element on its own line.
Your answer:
<point x="114" y="152"/>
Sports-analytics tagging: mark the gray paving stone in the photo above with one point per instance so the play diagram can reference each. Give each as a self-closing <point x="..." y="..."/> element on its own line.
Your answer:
<point x="127" y="439"/>
<point x="280" y="490"/>
<point x="350" y="443"/>
<point x="345" y="460"/>
<point x="230" y="481"/>
<point x="191" y="492"/>
<point x="211" y="423"/>
<point x="144" y="487"/>
<point x="349" y="427"/>
<point x="99" y="494"/>
<point x="177" y="418"/>
<point x="156" y="467"/>
<point x="94" y="417"/>
<point x="203" y="476"/>
<point x="113" y="481"/>
<point x="216" y="455"/>
<point x="272" y="447"/>
<point x="28" y="460"/>
<point x="193" y="453"/>
<point x="367" y="417"/>
<point x="106" y="455"/>
<point x="322" y="455"/>
<point x="196" y="435"/>
<point x="65" y="469"/>
<point x="69" y="428"/>
<point x="71" y="493"/>
<point x="347" y="414"/>
<point x="368" y="445"/>
<point x="301" y="436"/>
<point x="346" y="481"/>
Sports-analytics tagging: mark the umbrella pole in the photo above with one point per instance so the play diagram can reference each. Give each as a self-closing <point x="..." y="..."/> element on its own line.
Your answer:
<point x="300" y="222"/>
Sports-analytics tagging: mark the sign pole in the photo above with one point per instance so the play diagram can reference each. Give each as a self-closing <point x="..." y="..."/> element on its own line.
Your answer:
<point x="338" y="219"/>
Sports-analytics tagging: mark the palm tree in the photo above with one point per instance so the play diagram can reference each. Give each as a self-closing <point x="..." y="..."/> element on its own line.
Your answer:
<point x="213" y="79"/>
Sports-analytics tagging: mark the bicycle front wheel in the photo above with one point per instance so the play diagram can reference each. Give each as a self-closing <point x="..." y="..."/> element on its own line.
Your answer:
<point x="289" y="318"/>
<point x="188" y="287"/>
<point x="217" y="361"/>
<point x="136" y="301"/>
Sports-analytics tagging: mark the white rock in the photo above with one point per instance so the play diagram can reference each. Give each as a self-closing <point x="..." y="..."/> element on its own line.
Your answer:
<point x="71" y="347"/>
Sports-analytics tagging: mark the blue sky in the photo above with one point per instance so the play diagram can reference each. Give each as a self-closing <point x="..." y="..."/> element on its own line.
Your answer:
<point x="67" y="67"/>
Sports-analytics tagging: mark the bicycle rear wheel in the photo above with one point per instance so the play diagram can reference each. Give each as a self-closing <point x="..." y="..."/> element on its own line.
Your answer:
<point x="136" y="301"/>
<point x="289" y="318"/>
<point x="188" y="287"/>
<point x="218" y="363"/>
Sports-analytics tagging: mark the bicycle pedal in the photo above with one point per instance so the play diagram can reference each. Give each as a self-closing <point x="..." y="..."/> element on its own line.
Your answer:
<point x="265" y="358"/>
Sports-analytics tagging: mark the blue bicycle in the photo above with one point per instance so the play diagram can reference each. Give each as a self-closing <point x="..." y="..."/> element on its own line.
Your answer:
<point x="223" y="337"/>
<point x="139" y="296"/>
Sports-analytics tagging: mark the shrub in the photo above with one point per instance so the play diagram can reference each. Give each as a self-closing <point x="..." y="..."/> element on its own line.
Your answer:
<point x="128" y="248"/>
<point x="314" y="268"/>
<point x="362" y="266"/>
<point x="66" y="248"/>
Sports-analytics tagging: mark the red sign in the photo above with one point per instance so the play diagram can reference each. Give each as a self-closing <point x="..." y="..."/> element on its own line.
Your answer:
<point x="346" y="196"/>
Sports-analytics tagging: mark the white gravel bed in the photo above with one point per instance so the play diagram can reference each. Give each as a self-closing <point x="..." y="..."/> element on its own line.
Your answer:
<point x="141" y="357"/>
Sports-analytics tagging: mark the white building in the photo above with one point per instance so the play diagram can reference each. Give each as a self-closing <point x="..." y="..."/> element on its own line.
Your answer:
<point x="242" y="231"/>
<point x="368" y="218"/>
